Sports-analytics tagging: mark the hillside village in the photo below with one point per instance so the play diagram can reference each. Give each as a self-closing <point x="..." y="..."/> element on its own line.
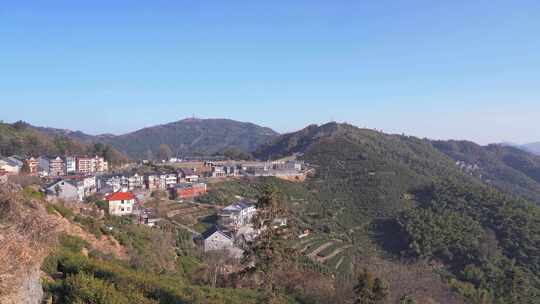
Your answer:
<point x="126" y="190"/>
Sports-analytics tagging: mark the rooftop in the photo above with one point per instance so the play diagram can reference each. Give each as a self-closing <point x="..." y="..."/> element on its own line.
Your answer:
<point x="119" y="196"/>
<point x="237" y="207"/>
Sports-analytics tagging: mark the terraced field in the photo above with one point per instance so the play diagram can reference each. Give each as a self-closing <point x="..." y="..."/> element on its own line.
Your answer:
<point x="334" y="254"/>
<point x="196" y="216"/>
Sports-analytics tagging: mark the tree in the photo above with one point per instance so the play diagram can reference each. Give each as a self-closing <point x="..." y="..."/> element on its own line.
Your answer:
<point x="269" y="252"/>
<point x="370" y="290"/>
<point x="164" y="152"/>
<point x="20" y="125"/>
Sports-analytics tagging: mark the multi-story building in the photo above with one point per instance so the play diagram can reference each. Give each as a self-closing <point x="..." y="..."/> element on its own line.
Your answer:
<point x="288" y="165"/>
<point x="100" y="165"/>
<point x="56" y="167"/>
<point x="135" y="182"/>
<point x="218" y="171"/>
<point x="188" y="175"/>
<point x="120" y="203"/>
<point x="237" y="215"/>
<point x="71" y="164"/>
<point x="152" y="181"/>
<point x="32" y="164"/>
<point x="85" y="165"/>
<point x="170" y="180"/>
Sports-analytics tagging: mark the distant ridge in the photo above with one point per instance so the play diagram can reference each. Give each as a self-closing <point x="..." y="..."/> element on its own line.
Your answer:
<point x="186" y="136"/>
<point x="532" y="147"/>
<point x="510" y="168"/>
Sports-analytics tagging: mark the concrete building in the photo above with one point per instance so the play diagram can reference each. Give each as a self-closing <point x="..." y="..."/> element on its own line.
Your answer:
<point x="188" y="175"/>
<point x="215" y="239"/>
<point x="86" y="185"/>
<point x="135" y="182"/>
<point x="151" y="182"/>
<point x="9" y="166"/>
<point x="63" y="189"/>
<point x="85" y="165"/>
<point x="56" y="167"/>
<point x="71" y="164"/>
<point x="120" y="203"/>
<point x="100" y="165"/>
<point x="187" y="190"/>
<point x="32" y="164"/>
<point x="218" y="171"/>
<point x="237" y="215"/>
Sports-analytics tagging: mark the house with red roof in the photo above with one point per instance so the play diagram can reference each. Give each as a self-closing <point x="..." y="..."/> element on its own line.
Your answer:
<point x="120" y="203"/>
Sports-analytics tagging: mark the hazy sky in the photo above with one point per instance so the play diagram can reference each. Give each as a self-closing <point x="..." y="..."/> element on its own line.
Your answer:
<point x="440" y="69"/>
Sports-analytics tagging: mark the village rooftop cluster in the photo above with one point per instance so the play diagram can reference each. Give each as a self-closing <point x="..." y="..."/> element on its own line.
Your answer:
<point x="74" y="179"/>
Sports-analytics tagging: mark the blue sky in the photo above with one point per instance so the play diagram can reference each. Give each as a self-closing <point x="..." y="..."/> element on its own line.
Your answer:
<point x="439" y="69"/>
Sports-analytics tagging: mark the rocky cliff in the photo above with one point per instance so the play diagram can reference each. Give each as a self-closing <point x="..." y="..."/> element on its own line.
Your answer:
<point x="26" y="234"/>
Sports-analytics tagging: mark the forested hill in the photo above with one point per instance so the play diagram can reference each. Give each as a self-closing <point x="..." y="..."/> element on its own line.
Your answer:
<point x="412" y="201"/>
<point x="184" y="137"/>
<point x="508" y="168"/>
<point x="23" y="139"/>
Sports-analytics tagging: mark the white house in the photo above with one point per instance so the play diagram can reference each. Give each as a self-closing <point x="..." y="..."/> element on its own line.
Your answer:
<point x="71" y="164"/>
<point x="170" y="180"/>
<point x="188" y="175"/>
<point x="135" y="182"/>
<point x="237" y="215"/>
<point x="120" y="203"/>
<point x="215" y="239"/>
<point x="10" y="166"/>
<point x="86" y="185"/>
<point x="63" y="189"/>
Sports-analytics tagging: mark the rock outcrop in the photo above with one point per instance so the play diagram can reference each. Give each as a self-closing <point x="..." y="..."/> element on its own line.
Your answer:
<point x="26" y="234"/>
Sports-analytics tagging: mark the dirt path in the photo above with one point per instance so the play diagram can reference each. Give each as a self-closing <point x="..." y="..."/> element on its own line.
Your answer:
<point x="313" y="254"/>
<point x="333" y="254"/>
<point x="339" y="262"/>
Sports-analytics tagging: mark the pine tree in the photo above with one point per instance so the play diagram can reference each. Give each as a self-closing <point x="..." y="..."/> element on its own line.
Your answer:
<point x="269" y="252"/>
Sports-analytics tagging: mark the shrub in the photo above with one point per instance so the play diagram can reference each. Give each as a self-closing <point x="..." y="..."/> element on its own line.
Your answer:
<point x="83" y="288"/>
<point x="72" y="243"/>
<point x="90" y="224"/>
<point x="63" y="210"/>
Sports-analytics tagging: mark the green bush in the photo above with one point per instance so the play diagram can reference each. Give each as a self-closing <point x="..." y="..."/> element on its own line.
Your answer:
<point x="31" y="193"/>
<point x="83" y="288"/>
<point x="72" y="243"/>
<point x="63" y="210"/>
<point x="90" y="224"/>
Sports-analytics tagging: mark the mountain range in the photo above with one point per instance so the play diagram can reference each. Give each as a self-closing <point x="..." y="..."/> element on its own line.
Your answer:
<point x="532" y="147"/>
<point x="464" y="206"/>
<point x="375" y="200"/>
<point x="184" y="137"/>
<point x="509" y="168"/>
